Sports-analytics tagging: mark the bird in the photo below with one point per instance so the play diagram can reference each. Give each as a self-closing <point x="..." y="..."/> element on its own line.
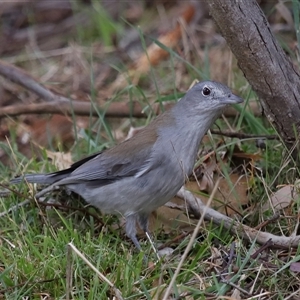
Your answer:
<point x="140" y="174"/>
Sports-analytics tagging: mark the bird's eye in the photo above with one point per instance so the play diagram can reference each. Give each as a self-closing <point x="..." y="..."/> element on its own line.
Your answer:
<point x="206" y="91"/>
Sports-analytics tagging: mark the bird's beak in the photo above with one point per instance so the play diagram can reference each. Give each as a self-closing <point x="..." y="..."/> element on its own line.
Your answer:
<point x="232" y="99"/>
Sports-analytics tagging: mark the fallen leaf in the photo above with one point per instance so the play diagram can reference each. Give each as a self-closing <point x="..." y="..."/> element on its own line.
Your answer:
<point x="60" y="160"/>
<point x="230" y="197"/>
<point x="281" y="199"/>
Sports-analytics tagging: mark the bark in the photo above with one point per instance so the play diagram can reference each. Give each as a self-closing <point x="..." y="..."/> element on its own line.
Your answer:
<point x="263" y="62"/>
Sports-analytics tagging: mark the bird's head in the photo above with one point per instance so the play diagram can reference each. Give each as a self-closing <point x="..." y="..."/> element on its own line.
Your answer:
<point x="210" y="96"/>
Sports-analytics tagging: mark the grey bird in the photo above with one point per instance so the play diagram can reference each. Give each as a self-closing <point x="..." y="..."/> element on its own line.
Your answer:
<point x="144" y="172"/>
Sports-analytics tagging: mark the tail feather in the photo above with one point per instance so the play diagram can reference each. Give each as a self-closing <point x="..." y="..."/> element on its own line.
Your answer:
<point x="49" y="178"/>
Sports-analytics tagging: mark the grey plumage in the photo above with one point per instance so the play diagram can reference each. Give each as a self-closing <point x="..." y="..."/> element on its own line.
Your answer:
<point x="141" y="174"/>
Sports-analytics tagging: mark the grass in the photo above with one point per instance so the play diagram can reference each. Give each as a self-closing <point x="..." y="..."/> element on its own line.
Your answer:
<point x="33" y="250"/>
<point x="34" y="258"/>
<point x="34" y="254"/>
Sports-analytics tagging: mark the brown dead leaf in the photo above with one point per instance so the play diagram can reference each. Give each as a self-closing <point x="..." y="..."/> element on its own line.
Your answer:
<point x="236" y="295"/>
<point x="215" y="259"/>
<point x="205" y="172"/>
<point x="281" y="198"/>
<point x="233" y="198"/>
<point x="172" y="217"/>
<point x="60" y="160"/>
<point x="57" y="129"/>
<point x="250" y="156"/>
<point x="230" y="198"/>
<point x="242" y="160"/>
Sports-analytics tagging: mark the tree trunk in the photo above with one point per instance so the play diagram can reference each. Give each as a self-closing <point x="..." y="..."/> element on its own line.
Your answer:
<point x="263" y="62"/>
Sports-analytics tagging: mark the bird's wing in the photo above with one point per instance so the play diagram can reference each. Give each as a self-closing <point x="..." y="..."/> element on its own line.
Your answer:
<point x="126" y="159"/>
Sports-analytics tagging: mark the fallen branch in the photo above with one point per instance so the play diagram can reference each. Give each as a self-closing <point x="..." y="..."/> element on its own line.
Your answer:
<point x="58" y="104"/>
<point x="81" y="108"/>
<point x="235" y="227"/>
<point x="24" y="79"/>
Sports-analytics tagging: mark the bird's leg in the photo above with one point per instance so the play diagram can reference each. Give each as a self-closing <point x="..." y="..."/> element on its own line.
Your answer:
<point x="143" y="222"/>
<point x="131" y="230"/>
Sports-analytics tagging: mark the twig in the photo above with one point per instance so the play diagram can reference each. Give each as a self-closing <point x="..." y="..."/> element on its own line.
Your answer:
<point x="69" y="273"/>
<point x="57" y="104"/>
<point x="22" y="78"/>
<point x="190" y="244"/>
<point x="267" y="245"/>
<point x="244" y="231"/>
<point x="272" y="219"/>
<point x="231" y="255"/>
<point x="174" y="240"/>
<point x="104" y="278"/>
<point x="240" y="135"/>
<point x="81" y="108"/>
<point x="235" y="286"/>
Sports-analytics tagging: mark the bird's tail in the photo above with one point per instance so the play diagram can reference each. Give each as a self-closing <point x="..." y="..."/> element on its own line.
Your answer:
<point x="49" y="178"/>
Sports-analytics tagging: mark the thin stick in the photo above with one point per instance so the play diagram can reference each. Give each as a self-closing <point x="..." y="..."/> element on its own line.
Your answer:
<point x="113" y="110"/>
<point x="105" y="279"/>
<point x="190" y="244"/>
<point x="20" y="77"/>
<point x="240" y="135"/>
<point x="69" y="273"/>
<point x="152" y="245"/>
<point x="58" y="104"/>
